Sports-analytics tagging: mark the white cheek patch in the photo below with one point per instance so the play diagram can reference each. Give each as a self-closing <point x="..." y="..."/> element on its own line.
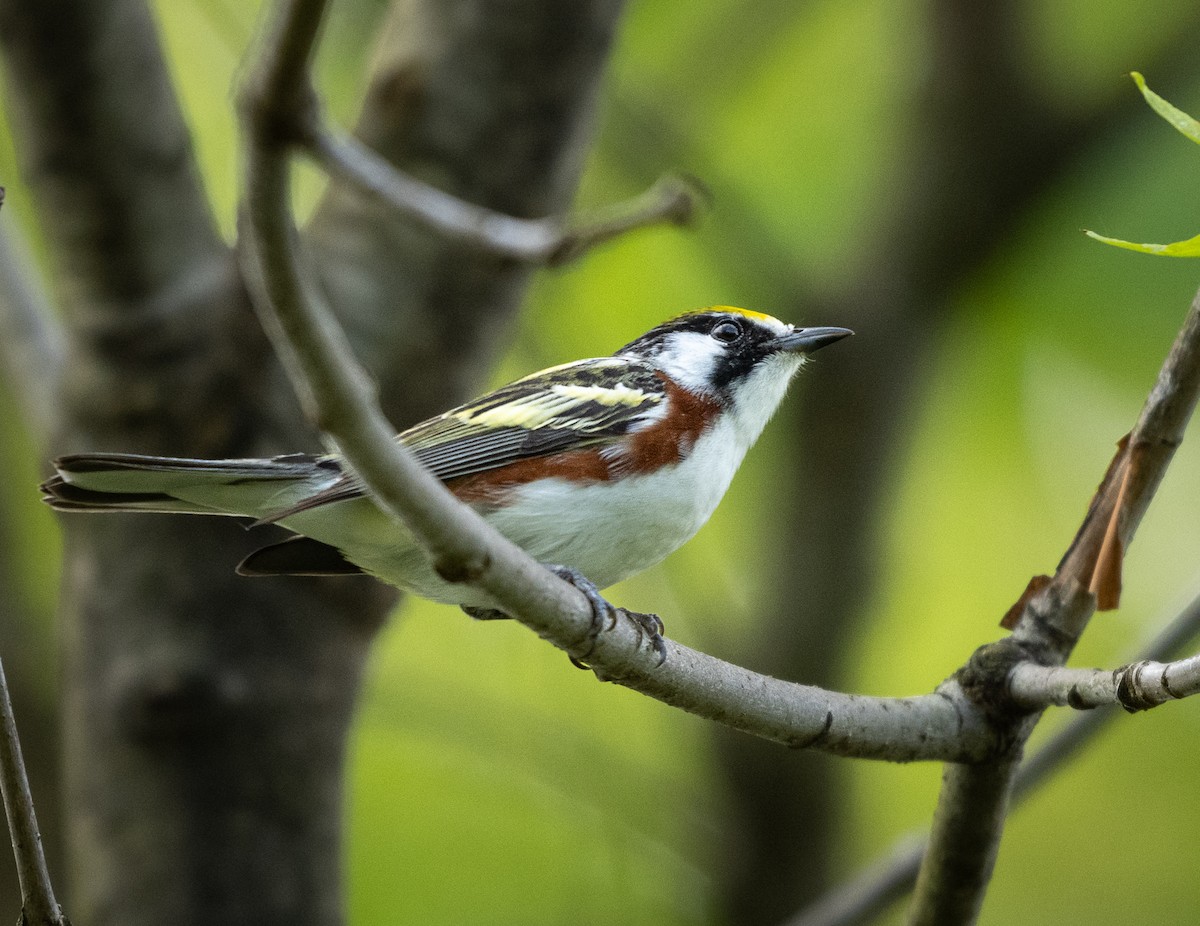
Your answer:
<point x="690" y="358"/>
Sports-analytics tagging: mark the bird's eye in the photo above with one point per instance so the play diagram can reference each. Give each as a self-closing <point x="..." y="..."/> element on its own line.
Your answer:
<point x="727" y="332"/>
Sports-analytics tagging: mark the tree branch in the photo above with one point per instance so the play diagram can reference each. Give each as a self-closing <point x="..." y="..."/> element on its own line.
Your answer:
<point x="963" y="843"/>
<point x="550" y="240"/>
<point x="496" y="105"/>
<point x="38" y="906"/>
<point x="970" y="815"/>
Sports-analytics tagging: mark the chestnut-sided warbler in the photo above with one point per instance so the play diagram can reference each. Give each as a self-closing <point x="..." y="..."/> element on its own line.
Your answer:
<point x="603" y="466"/>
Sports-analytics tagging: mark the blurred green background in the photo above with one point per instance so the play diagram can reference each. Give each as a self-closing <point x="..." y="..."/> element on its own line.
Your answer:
<point x="491" y="782"/>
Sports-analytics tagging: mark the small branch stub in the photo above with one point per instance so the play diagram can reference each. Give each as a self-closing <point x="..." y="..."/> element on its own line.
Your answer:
<point x="1138" y="686"/>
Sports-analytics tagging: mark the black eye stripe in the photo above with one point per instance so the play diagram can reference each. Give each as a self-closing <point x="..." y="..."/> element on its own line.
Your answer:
<point x="734" y="359"/>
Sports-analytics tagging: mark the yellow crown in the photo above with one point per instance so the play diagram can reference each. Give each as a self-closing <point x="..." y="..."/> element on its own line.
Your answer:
<point x="761" y="316"/>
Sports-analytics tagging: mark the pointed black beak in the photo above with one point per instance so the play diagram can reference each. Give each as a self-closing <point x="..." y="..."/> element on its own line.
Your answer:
<point x="807" y="340"/>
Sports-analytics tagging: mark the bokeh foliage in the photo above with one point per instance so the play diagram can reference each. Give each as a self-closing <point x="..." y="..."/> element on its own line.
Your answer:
<point x="491" y="782"/>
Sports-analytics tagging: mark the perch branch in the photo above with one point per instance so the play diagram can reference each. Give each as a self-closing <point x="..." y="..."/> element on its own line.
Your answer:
<point x="38" y="906"/>
<point x="466" y="548"/>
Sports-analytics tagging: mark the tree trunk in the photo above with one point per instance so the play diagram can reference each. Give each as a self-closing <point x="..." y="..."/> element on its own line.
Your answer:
<point x="206" y="715"/>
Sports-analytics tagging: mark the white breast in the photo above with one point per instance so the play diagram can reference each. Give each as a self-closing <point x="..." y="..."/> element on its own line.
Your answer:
<point x="609" y="531"/>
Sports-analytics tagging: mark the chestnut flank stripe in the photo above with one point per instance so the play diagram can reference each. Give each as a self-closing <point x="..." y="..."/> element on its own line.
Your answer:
<point x="664" y="443"/>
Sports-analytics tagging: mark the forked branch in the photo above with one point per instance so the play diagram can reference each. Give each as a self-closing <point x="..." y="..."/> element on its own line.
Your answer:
<point x="1047" y="623"/>
<point x="866" y="895"/>
<point x="674" y="200"/>
<point x="280" y="105"/>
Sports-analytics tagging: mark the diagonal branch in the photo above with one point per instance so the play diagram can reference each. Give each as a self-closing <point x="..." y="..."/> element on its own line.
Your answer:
<point x="1050" y="621"/>
<point x="465" y="548"/>
<point x="1129" y="484"/>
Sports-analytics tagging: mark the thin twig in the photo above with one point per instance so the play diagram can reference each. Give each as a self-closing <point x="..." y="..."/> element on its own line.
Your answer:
<point x="871" y="891"/>
<point x="883" y="882"/>
<point x="38" y="906"/>
<point x="31" y="339"/>
<point x="550" y="240"/>
<point x="1066" y="742"/>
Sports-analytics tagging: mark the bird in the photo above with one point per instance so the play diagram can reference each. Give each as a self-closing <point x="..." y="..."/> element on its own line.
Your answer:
<point x="599" y="468"/>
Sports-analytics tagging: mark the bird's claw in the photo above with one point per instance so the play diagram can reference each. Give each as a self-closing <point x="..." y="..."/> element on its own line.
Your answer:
<point x="649" y="626"/>
<point x="603" y="611"/>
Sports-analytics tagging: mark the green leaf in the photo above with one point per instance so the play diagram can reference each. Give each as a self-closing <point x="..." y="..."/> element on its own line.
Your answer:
<point x="1187" y="126"/>
<point x="1177" y="117"/>
<point x="1189" y="248"/>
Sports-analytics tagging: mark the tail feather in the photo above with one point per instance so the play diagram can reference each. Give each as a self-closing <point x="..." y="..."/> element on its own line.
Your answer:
<point x="129" y="482"/>
<point x="63" y="496"/>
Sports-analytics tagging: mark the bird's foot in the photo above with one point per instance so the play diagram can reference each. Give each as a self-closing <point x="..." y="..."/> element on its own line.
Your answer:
<point x="605" y="615"/>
